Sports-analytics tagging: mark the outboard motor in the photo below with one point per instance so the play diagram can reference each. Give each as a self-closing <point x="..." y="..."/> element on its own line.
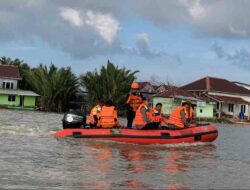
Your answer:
<point x="74" y="119"/>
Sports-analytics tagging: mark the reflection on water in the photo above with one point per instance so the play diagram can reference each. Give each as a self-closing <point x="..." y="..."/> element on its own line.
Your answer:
<point x="33" y="159"/>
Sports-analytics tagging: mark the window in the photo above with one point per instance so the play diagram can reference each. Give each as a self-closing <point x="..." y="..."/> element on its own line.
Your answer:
<point x="11" y="98"/>
<point x="7" y="85"/>
<point x="218" y="105"/>
<point x="243" y="108"/>
<point x="230" y="108"/>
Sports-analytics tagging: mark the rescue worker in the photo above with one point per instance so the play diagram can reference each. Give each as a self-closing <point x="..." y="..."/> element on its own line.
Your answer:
<point x="95" y="114"/>
<point x="142" y="117"/>
<point x="189" y="113"/>
<point x="108" y="116"/>
<point x="134" y="100"/>
<point x="156" y="115"/>
<point x="179" y="117"/>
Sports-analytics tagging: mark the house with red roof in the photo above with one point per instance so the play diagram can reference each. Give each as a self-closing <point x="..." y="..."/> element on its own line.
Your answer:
<point x="10" y="95"/>
<point x="230" y="98"/>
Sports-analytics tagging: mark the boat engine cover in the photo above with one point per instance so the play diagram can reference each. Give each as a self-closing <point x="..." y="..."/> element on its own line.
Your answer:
<point x="74" y="119"/>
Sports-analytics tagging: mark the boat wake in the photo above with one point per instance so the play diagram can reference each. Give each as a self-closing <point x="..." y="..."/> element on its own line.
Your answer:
<point x="23" y="130"/>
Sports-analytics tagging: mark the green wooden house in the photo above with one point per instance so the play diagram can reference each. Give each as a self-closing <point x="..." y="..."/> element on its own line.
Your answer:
<point x="10" y="95"/>
<point x="172" y="97"/>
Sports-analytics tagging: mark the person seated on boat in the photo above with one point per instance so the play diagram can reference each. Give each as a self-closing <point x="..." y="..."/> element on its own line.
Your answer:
<point x="108" y="116"/>
<point x="178" y="118"/>
<point x="189" y="113"/>
<point x="134" y="100"/>
<point x="156" y="115"/>
<point x="95" y="114"/>
<point x="142" y="117"/>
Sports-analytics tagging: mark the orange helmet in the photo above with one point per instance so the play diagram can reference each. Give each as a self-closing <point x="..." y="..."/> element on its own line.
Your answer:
<point x="135" y="85"/>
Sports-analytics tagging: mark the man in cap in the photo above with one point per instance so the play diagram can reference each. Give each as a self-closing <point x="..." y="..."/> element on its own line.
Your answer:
<point x="134" y="100"/>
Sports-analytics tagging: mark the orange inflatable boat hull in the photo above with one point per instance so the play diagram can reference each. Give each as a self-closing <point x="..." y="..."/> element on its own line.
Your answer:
<point x="207" y="133"/>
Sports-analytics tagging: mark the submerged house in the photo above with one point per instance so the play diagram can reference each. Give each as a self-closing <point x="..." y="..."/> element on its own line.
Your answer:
<point x="10" y="95"/>
<point x="230" y="98"/>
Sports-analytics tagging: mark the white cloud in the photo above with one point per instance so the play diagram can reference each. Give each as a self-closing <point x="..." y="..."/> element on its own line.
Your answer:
<point x="106" y="26"/>
<point x="143" y="38"/>
<point x="197" y="11"/>
<point x="72" y="16"/>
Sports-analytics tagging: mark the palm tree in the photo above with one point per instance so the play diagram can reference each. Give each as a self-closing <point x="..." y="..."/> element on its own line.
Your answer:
<point x="56" y="86"/>
<point x="110" y="83"/>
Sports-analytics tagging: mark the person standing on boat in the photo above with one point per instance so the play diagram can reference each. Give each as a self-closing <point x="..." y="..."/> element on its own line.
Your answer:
<point x="134" y="100"/>
<point x="108" y="116"/>
<point x="180" y="117"/>
<point x="95" y="114"/>
<point x="155" y="114"/>
<point x="142" y="117"/>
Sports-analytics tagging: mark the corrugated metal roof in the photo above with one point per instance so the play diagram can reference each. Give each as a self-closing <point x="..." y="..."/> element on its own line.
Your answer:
<point x="18" y="92"/>
<point x="227" y="99"/>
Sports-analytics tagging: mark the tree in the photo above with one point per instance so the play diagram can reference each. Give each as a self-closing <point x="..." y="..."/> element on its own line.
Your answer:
<point x="56" y="86"/>
<point x="110" y="83"/>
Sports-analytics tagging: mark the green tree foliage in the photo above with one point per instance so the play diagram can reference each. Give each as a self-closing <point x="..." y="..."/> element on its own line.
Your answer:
<point x="56" y="86"/>
<point x="23" y="67"/>
<point x="110" y="82"/>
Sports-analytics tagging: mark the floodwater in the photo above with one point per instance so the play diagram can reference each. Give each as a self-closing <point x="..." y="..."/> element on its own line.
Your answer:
<point x="31" y="158"/>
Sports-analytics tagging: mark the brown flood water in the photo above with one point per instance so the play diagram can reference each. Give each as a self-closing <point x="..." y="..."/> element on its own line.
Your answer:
<point x="31" y="158"/>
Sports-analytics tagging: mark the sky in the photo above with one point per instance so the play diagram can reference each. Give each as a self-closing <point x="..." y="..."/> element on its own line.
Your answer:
<point x="174" y="41"/>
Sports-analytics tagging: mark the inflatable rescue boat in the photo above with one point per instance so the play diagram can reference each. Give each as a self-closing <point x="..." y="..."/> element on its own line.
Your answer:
<point x="72" y="128"/>
<point x="207" y="133"/>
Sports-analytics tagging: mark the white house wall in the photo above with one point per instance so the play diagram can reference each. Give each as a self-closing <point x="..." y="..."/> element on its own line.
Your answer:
<point x="8" y="80"/>
<point x="237" y="107"/>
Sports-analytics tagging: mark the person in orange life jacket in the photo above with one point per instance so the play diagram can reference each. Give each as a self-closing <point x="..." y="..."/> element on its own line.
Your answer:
<point x="108" y="116"/>
<point x="95" y="114"/>
<point x="178" y="118"/>
<point x="156" y="115"/>
<point x="134" y="99"/>
<point x="189" y="113"/>
<point x="142" y="117"/>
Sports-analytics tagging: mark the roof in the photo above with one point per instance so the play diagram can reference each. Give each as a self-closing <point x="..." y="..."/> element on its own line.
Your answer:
<point x="10" y="72"/>
<point x="241" y="83"/>
<point x="146" y="87"/>
<point x="173" y="91"/>
<point x="216" y="84"/>
<point x="143" y="84"/>
<point x="18" y="92"/>
<point x="227" y="99"/>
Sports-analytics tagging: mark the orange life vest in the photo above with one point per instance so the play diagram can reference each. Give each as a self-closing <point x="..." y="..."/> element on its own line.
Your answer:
<point x="108" y="116"/>
<point x="139" y="120"/>
<point x="189" y="115"/>
<point x="96" y="110"/>
<point x="134" y="101"/>
<point x="155" y="115"/>
<point x="175" y="117"/>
